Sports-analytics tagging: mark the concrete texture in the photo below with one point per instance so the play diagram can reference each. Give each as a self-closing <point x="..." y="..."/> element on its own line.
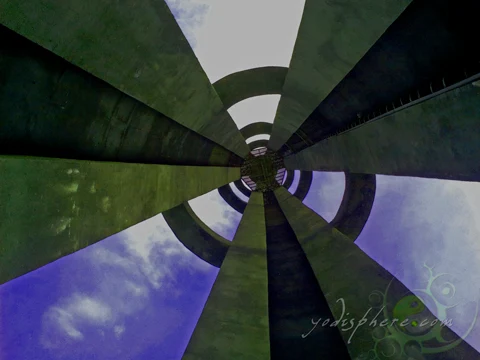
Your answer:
<point x="333" y="37"/>
<point x="51" y="108"/>
<point x="435" y="139"/>
<point x="346" y="272"/>
<point x="425" y="50"/>
<point x="234" y="322"/>
<point x="53" y="207"/>
<point x="137" y="48"/>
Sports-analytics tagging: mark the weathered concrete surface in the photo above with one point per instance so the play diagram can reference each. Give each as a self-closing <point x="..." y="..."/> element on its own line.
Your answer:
<point x="427" y="48"/>
<point x="52" y="207"/>
<point x="136" y="47"/>
<point x="234" y="323"/>
<point x="294" y="296"/>
<point x="245" y="84"/>
<point x="346" y="272"/>
<point x="51" y="108"/>
<point x="195" y="235"/>
<point x="332" y="38"/>
<point x="437" y="139"/>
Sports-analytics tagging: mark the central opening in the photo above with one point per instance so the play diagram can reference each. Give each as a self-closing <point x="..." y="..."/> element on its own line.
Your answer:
<point x="263" y="170"/>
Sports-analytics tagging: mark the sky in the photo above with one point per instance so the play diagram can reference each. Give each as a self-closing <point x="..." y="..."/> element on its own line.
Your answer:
<point x="138" y="294"/>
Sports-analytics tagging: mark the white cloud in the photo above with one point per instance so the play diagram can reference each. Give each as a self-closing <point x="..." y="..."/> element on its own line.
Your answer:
<point x="126" y="268"/>
<point x="63" y="322"/>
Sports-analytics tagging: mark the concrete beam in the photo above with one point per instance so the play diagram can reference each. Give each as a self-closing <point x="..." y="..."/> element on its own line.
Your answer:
<point x="434" y="139"/>
<point x="138" y="49"/>
<point x="51" y="108"/>
<point x="295" y="298"/>
<point x="333" y="37"/>
<point x="345" y="272"/>
<point x="53" y="207"/>
<point x="426" y="50"/>
<point x="234" y="322"/>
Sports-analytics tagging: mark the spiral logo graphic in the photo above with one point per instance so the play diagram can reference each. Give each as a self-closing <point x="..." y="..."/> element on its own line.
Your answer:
<point x="425" y="333"/>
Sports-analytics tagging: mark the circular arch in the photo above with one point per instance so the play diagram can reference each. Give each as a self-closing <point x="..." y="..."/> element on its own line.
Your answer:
<point x="357" y="199"/>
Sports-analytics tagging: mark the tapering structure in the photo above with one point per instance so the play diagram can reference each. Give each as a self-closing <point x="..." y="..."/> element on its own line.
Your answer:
<point x="108" y="119"/>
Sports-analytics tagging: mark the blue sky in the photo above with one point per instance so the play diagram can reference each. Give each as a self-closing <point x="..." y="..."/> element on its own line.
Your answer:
<point x="139" y="293"/>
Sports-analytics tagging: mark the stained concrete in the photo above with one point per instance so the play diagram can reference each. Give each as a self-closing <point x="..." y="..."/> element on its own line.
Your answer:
<point x="333" y="36"/>
<point x="53" y="207"/>
<point x="234" y="322"/>
<point x="435" y="139"/>
<point x="137" y="48"/>
<point x="427" y="48"/>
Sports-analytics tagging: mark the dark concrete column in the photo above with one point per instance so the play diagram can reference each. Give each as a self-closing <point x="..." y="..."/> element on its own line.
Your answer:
<point x="357" y="288"/>
<point x="138" y="49"/>
<point x="52" y="207"/>
<point x="437" y="139"/>
<point x="333" y="37"/>
<point x="234" y="323"/>
<point x="294" y="296"/>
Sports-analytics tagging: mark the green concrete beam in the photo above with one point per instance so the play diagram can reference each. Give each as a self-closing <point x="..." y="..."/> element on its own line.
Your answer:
<point x="345" y="272"/>
<point x="52" y="207"/>
<point x="136" y="47"/>
<point x="51" y="108"/>
<point x="295" y="298"/>
<point x="333" y="37"/>
<point x="234" y="322"/>
<point x="437" y="138"/>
